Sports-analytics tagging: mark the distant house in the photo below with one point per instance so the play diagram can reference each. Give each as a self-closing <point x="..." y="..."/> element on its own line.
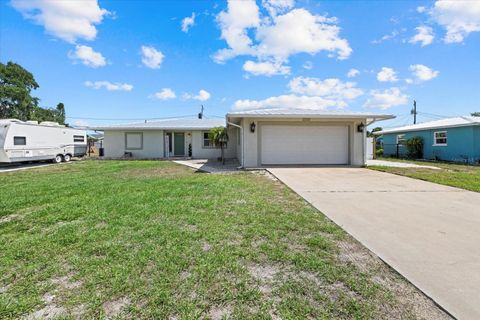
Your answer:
<point x="452" y="139"/>
<point x="257" y="138"/>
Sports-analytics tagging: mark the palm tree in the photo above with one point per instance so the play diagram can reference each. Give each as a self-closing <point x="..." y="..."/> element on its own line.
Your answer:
<point x="219" y="137"/>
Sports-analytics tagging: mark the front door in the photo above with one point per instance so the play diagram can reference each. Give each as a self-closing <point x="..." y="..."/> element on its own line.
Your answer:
<point x="179" y="144"/>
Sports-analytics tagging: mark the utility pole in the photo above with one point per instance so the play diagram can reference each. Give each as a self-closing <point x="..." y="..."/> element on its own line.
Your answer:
<point x="414" y="112"/>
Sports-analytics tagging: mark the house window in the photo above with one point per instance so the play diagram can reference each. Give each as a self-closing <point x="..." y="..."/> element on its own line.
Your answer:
<point x="133" y="140"/>
<point x="78" y="139"/>
<point x="19" y="141"/>
<point x="401" y="139"/>
<point x="440" y="138"/>
<point x="207" y="143"/>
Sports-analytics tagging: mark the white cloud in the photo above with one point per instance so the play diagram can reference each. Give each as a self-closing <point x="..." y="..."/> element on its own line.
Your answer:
<point x="300" y="31"/>
<point x="164" y="94"/>
<point x="68" y="20"/>
<point x="421" y="9"/>
<point x="117" y="86"/>
<point x="87" y="56"/>
<point x="188" y="22"/>
<point x="202" y="95"/>
<point x="424" y="35"/>
<point x="459" y="18"/>
<point x="308" y="93"/>
<point x="387" y="75"/>
<point x="151" y="57"/>
<point x="286" y="101"/>
<point x="386" y="99"/>
<point x="423" y="73"/>
<point x="308" y="65"/>
<point x="352" y="73"/>
<point x="275" y="7"/>
<point x="387" y="37"/>
<point x="265" y="68"/>
<point x="332" y="88"/>
<point x="240" y="16"/>
<point x="277" y="36"/>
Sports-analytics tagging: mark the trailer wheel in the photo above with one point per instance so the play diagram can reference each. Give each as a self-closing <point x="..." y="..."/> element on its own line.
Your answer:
<point x="67" y="158"/>
<point x="58" y="158"/>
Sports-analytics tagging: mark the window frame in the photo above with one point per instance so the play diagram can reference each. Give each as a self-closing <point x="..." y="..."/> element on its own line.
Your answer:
<point x="20" y="137"/>
<point x="400" y="138"/>
<point x="75" y="138"/>
<point x="212" y="145"/>
<point x="435" y="143"/>
<point x="126" y="140"/>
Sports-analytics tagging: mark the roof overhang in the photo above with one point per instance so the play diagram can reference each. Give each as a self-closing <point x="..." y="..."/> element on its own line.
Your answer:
<point x="145" y="128"/>
<point x="399" y="130"/>
<point x="370" y="118"/>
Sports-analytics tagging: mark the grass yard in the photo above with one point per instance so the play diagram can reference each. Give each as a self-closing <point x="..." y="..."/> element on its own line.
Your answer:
<point x="150" y="239"/>
<point x="454" y="175"/>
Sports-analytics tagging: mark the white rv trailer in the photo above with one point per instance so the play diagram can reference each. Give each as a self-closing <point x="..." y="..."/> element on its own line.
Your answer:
<point x="33" y="141"/>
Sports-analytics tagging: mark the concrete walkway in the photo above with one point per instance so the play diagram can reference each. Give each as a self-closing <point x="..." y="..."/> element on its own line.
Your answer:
<point x="428" y="232"/>
<point x="210" y="166"/>
<point x="398" y="164"/>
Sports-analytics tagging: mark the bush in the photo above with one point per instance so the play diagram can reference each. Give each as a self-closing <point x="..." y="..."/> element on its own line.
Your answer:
<point x="379" y="152"/>
<point x="415" y="147"/>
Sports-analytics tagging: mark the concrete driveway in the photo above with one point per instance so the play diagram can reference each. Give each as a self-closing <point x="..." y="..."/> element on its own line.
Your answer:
<point x="428" y="232"/>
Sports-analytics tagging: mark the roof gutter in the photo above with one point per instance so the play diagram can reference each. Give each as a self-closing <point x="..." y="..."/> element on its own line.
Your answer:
<point x="243" y="141"/>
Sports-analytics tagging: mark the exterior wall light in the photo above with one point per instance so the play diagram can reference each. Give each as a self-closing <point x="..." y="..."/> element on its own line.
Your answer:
<point x="360" y="127"/>
<point x="252" y="127"/>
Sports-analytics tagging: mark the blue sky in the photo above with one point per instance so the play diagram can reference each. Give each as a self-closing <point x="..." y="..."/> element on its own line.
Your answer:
<point x="130" y="60"/>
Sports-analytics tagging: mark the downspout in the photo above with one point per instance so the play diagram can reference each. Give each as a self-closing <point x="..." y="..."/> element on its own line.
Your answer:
<point x="243" y="141"/>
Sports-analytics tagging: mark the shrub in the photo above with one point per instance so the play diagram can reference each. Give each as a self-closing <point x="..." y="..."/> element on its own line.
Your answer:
<point x="415" y="147"/>
<point x="379" y="152"/>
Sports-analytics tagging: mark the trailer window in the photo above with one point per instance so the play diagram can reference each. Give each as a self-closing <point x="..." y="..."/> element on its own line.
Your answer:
<point x="19" y="141"/>
<point x="78" y="139"/>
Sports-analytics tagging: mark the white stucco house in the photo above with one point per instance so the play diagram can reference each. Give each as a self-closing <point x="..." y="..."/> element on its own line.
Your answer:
<point x="257" y="138"/>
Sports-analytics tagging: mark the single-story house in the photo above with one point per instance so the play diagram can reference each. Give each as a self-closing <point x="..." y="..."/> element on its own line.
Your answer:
<point x="256" y="138"/>
<point x="452" y="139"/>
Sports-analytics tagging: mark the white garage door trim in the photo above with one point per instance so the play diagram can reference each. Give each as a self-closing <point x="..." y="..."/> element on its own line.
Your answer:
<point x="290" y="144"/>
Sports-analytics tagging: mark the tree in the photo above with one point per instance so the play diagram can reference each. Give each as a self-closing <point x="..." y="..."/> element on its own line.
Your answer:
<point x="16" y="85"/>
<point x="370" y="133"/>
<point x="475" y="114"/>
<point x="219" y="137"/>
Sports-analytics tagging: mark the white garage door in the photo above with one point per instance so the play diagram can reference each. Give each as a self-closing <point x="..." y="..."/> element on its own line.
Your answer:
<point x="290" y="144"/>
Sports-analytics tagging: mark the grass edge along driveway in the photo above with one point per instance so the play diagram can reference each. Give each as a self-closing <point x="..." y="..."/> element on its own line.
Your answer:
<point x="454" y="175"/>
<point x="153" y="239"/>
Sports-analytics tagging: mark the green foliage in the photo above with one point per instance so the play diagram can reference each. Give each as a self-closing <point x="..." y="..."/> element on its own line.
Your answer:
<point x="379" y="152"/>
<point x="16" y="85"/>
<point x="16" y="100"/>
<point x="475" y="114"/>
<point x="370" y="133"/>
<point x="414" y="147"/>
<point x="219" y="137"/>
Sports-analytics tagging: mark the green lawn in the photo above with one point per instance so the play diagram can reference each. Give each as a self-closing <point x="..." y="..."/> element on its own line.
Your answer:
<point x="455" y="175"/>
<point x="149" y="239"/>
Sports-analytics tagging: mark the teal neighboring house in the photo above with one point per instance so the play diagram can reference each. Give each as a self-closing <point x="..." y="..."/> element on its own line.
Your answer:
<point x="452" y="139"/>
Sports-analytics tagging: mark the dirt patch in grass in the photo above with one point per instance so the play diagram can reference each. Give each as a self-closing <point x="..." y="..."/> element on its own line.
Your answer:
<point x="352" y="252"/>
<point x="50" y="311"/>
<point x="220" y="312"/>
<point x="113" y="308"/>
